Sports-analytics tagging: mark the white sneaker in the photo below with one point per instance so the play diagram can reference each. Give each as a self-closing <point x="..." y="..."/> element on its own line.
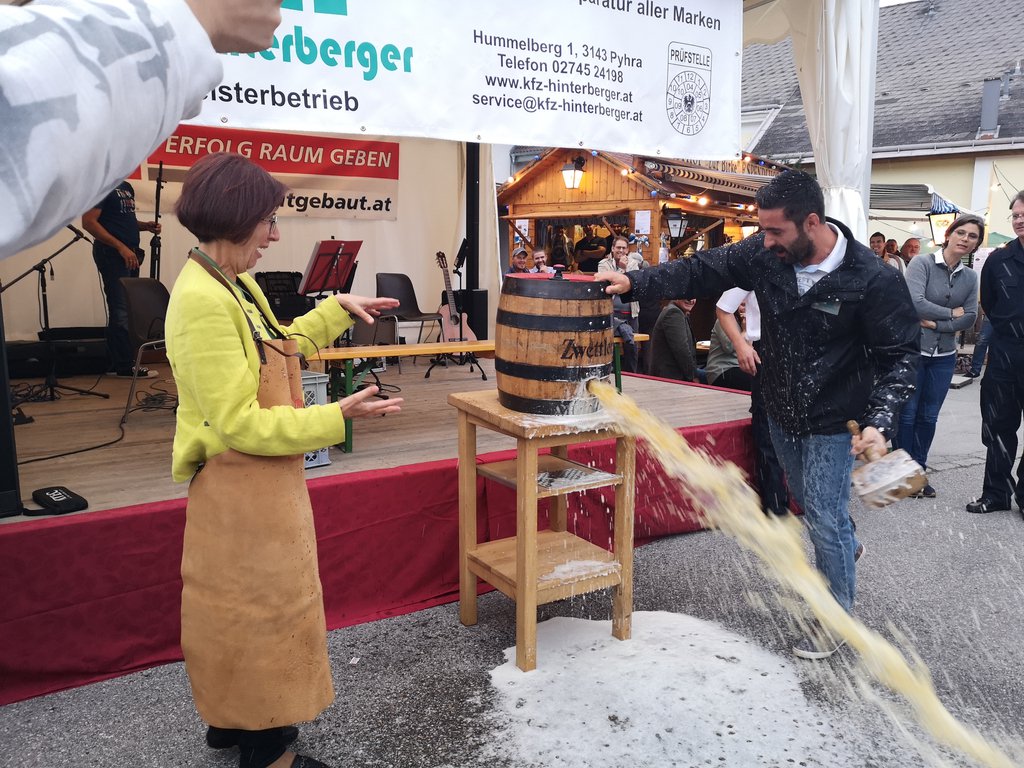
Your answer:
<point x="818" y="645"/>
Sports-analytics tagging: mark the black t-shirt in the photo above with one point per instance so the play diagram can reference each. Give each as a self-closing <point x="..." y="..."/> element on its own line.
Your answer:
<point x="117" y="215"/>
<point x="589" y="264"/>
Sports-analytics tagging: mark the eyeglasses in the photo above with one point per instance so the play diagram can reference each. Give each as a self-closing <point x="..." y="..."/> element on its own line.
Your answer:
<point x="1016" y="217"/>
<point x="272" y="221"/>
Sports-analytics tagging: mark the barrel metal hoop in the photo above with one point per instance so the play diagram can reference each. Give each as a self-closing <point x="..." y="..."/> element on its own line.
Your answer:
<point x="559" y="323"/>
<point x="547" y="407"/>
<point x="551" y="372"/>
<point x="555" y="289"/>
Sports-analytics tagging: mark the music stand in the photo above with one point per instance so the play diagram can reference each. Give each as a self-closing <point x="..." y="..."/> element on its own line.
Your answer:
<point x="331" y="267"/>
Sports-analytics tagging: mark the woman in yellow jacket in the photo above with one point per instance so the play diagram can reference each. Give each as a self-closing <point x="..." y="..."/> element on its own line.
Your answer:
<point x="253" y="632"/>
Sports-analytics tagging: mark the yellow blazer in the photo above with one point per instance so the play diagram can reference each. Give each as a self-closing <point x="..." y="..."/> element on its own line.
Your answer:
<point x="217" y="370"/>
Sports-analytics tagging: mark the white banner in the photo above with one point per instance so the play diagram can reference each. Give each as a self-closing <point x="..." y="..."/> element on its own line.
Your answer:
<point x="637" y="76"/>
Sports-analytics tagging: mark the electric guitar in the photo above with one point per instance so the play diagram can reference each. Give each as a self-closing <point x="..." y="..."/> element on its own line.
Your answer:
<point x="454" y="326"/>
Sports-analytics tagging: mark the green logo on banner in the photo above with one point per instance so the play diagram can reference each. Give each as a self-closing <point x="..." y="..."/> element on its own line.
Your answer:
<point x="332" y="7"/>
<point x="295" y="45"/>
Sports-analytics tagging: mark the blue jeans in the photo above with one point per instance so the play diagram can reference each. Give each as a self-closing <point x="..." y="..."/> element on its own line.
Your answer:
<point x="818" y="471"/>
<point x="112" y="268"/>
<point x="921" y="412"/>
<point x="981" y="347"/>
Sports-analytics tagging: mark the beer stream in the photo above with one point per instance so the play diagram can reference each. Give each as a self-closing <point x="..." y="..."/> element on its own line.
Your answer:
<point x="727" y="503"/>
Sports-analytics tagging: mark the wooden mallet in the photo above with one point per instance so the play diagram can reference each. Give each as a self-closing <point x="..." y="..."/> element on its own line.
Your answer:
<point x="885" y="479"/>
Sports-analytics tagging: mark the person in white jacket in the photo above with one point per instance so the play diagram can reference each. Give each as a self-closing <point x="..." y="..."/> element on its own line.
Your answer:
<point x="88" y="90"/>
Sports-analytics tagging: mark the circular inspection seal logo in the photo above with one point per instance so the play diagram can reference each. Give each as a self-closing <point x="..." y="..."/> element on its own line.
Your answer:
<point x="688" y="94"/>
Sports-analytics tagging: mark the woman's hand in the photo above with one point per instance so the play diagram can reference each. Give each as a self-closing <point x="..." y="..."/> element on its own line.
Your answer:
<point x="363" y="403"/>
<point x="364" y="307"/>
<point x="929" y="324"/>
<point x="957" y="312"/>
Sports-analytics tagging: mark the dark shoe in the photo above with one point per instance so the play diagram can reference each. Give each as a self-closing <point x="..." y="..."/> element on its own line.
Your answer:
<point x="972" y="374"/>
<point x="301" y="761"/>
<point x="925" y="493"/>
<point x="225" y="738"/>
<point x="984" y="505"/>
<point x="858" y="553"/>
<point x="818" y="645"/>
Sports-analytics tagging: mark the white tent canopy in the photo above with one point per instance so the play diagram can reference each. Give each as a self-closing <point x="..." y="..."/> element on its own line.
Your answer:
<point x="834" y="46"/>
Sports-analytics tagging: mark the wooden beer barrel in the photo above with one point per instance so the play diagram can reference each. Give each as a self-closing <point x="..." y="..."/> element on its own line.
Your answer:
<point x="553" y="335"/>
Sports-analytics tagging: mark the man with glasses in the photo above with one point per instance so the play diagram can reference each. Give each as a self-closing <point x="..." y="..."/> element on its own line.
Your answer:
<point x="115" y="249"/>
<point x="1002" y="388"/>
<point x="839" y="341"/>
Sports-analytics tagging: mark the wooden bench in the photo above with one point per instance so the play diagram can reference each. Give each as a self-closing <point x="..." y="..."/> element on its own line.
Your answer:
<point x="354" y="376"/>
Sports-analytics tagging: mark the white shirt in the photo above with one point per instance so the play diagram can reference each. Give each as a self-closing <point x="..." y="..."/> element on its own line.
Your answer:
<point x="809" y="275"/>
<point x="941" y="261"/>
<point x="731" y="301"/>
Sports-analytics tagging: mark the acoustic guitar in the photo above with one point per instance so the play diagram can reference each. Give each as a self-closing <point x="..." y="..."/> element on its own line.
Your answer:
<point x="454" y="326"/>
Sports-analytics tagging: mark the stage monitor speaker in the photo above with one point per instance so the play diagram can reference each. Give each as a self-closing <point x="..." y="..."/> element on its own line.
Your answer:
<point x="474" y="304"/>
<point x="82" y="357"/>
<point x="74" y="333"/>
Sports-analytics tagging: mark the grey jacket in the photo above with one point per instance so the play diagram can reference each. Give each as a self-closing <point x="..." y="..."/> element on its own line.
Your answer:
<point x="935" y="292"/>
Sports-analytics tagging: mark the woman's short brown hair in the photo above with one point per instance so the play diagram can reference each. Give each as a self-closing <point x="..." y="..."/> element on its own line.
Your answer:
<point x="967" y="218"/>
<point x="225" y="196"/>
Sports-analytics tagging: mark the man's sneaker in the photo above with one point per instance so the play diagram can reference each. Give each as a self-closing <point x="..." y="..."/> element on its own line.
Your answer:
<point x="985" y="505"/>
<point x="818" y="645"/>
<point x="143" y="373"/>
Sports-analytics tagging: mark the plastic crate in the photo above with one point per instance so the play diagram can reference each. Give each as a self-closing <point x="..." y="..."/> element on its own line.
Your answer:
<point x="314" y="392"/>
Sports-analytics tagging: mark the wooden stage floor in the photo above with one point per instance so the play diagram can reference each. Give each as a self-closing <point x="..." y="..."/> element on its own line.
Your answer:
<point x="136" y="470"/>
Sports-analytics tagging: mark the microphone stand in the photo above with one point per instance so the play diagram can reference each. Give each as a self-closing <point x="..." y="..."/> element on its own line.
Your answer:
<point x="51" y="383"/>
<point x="155" y="243"/>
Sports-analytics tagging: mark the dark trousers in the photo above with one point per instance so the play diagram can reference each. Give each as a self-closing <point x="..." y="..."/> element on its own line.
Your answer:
<point x="770" y="477"/>
<point x="1002" y="404"/>
<point x="112" y="268"/>
<point x="624" y="329"/>
<point x="734" y="378"/>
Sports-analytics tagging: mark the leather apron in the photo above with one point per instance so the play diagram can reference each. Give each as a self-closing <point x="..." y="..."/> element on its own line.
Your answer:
<point x="253" y="631"/>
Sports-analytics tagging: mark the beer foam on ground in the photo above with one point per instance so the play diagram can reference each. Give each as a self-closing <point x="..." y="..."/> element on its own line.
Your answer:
<point x="730" y="505"/>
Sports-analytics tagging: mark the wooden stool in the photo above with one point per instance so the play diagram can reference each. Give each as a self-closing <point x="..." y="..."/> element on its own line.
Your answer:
<point x="536" y="567"/>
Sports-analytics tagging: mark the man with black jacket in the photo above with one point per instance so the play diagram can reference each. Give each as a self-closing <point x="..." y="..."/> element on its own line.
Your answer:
<point x="839" y="341"/>
<point x="1002" y="389"/>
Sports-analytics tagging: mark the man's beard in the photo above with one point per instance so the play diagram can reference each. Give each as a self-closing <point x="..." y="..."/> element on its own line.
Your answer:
<point x="800" y="251"/>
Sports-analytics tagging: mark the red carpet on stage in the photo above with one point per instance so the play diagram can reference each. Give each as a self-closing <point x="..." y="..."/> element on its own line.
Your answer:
<point x="94" y="596"/>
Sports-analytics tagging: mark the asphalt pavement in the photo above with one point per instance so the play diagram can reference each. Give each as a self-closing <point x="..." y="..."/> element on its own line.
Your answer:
<point x="415" y="691"/>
